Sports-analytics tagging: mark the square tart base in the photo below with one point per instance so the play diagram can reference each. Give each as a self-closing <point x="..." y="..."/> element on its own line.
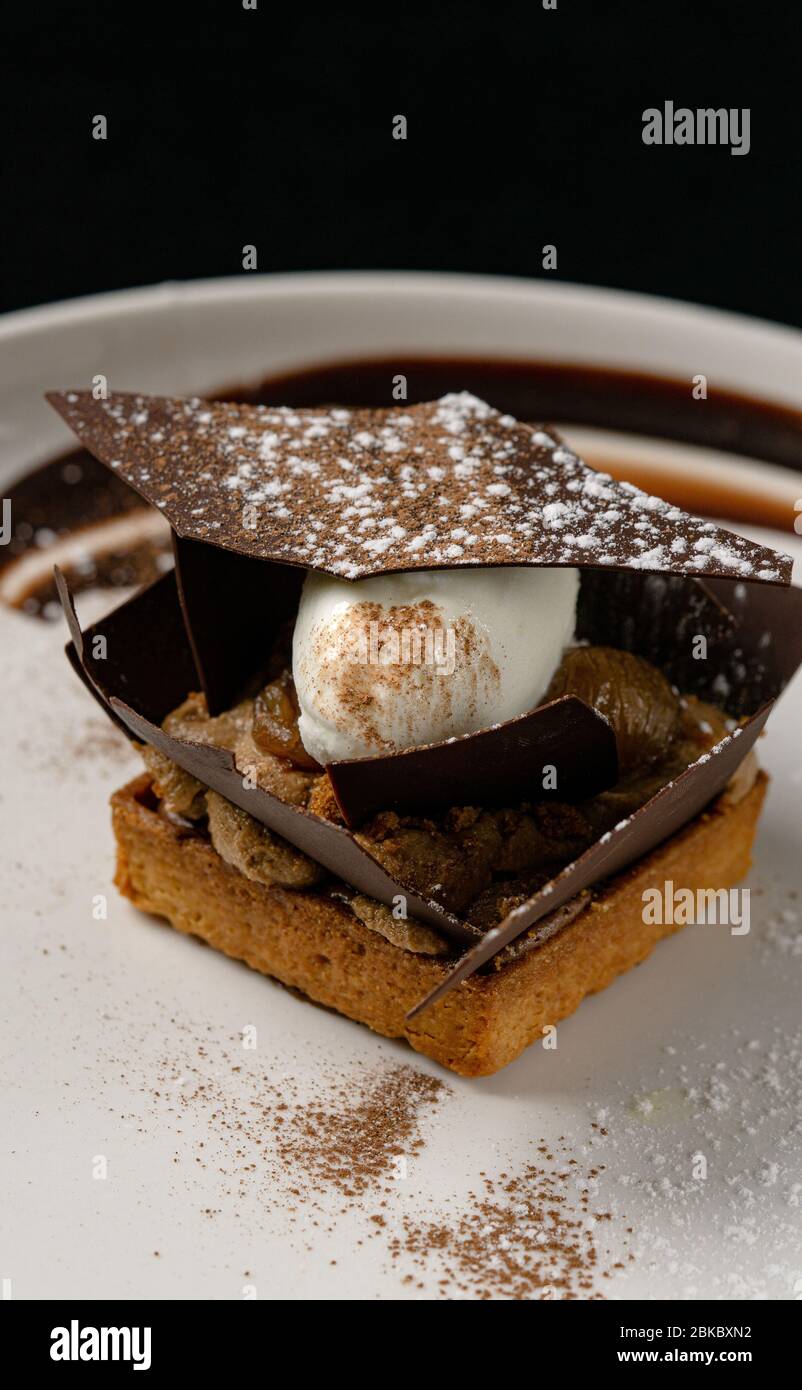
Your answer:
<point x="317" y="946"/>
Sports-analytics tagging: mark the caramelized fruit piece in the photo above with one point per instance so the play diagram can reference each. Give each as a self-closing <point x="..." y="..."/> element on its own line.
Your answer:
<point x="275" y="723"/>
<point x="631" y="693"/>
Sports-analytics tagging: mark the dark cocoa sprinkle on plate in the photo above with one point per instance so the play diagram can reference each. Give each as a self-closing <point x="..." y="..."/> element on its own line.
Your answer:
<point x="332" y="1144"/>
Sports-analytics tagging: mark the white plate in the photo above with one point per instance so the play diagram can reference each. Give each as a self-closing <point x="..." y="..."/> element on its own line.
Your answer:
<point x="97" y="1016"/>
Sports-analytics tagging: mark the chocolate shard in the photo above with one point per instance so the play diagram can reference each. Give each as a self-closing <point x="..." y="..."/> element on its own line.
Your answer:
<point x="148" y="662"/>
<point x="447" y="484"/>
<point x="766" y="619"/>
<point x="663" y="616"/>
<point x="233" y="606"/>
<point x="139" y="650"/>
<point x="656" y="616"/>
<point x="760" y="652"/>
<point x="564" y="744"/>
<point x="76" y="654"/>
<point x="672" y="807"/>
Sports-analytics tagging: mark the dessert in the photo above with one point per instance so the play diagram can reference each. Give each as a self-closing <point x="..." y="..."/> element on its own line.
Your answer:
<point x="426" y="706"/>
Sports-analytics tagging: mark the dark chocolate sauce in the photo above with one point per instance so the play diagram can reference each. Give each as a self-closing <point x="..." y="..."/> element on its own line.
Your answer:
<point x="550" y="391"/>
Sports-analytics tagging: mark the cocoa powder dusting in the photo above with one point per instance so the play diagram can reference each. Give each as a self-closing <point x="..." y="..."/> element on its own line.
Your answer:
<point x="350" y="1142"/>
<point x="342" y="1142"/>
<point x="530" y="1235"/>
<point x="329" y="1143"/>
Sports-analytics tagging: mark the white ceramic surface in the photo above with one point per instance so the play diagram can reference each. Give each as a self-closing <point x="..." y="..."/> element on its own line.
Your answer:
<point x="700" y="1049"/>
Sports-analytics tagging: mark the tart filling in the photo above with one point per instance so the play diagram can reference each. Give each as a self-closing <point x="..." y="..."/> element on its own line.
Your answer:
<point x="477" y="862"/>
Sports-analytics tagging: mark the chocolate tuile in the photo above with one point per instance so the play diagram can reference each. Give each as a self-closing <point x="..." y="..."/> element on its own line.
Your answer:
<point x="668" y="811"/>
<point x="656" y="616"/>
<point x="447" y="484"/>
<point x="765" y="613"/>
<point x="503" y="764"/>
<point x="149" y="624"/>
<point x="233" y="607"/>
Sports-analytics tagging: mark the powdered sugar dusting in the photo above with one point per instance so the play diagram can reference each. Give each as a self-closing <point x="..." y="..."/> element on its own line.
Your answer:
<point x="357" y="492"/>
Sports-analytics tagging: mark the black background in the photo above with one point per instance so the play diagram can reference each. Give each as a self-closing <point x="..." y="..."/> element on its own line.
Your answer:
<point x="229" y="127"/>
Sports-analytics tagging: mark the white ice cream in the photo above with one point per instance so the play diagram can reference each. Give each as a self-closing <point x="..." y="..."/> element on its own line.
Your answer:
<point x="399" y="660"/>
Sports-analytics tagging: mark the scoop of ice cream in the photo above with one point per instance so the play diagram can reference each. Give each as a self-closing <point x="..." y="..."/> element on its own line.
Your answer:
<point x="401" y="660"/>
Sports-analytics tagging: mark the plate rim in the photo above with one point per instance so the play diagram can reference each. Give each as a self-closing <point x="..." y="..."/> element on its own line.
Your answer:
<point x="247" y="286"/>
